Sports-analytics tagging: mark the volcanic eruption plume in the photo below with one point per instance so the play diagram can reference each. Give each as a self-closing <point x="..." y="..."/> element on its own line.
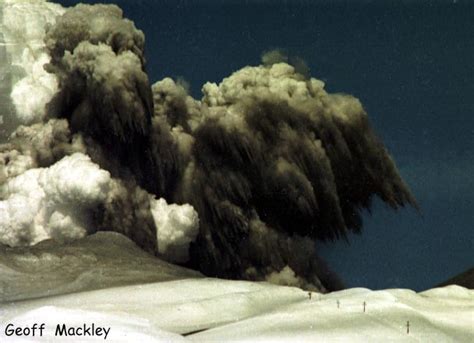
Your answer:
<point x="268" y="159"/>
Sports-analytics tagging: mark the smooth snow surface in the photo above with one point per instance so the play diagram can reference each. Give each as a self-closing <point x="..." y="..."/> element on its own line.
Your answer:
<point x="182" y="306"/>
<point x="256" y="312"/>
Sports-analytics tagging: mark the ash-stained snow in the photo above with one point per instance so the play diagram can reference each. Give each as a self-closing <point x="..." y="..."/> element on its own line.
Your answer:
<point x="105" y="259"/>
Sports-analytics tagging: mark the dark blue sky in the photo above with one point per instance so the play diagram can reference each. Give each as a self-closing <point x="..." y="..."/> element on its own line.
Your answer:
<point x="412" y="66"/>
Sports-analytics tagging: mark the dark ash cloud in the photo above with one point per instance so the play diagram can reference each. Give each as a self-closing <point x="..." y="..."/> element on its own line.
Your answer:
<point x="274" y="158"/>
<point x="269" y="160"/>
<point x="98" y="58"/>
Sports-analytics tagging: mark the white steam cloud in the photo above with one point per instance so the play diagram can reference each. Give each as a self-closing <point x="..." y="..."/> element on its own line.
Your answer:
<point x="23" y="26"/>
<point x="176" y="227"/>
<point x="52" y="202"/>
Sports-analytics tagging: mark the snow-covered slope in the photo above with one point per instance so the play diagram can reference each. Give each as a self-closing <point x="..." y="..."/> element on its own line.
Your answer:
<point x="141" y="298"/>
<point x="442" y="315"/>
<point x="101" y="260"/>
<point x="252" y="312"/>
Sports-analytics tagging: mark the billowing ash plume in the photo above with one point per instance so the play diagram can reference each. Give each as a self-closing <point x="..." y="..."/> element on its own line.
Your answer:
<point x="104" y="92"/>
<point x="280" y="56"/>
<point x="275" y="162"/>
<point x="57" y="180"/>
<point x="267" y="158"/>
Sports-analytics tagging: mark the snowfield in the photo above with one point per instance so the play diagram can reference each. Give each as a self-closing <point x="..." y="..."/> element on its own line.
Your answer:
<point x="172" y="304"/>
